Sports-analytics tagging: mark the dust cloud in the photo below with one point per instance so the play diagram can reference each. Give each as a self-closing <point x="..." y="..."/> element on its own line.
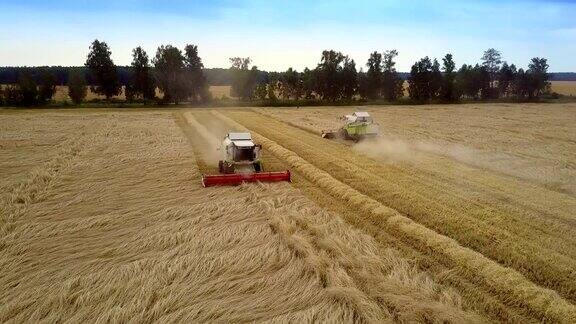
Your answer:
<point x="398" y="150"/>
<point x="395" y="150"/>
<point x="211" y="151"/>
<point x="391" y="149"/>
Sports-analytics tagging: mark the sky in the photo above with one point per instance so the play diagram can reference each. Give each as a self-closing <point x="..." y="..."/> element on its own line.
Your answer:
<point x="277" y="35"/>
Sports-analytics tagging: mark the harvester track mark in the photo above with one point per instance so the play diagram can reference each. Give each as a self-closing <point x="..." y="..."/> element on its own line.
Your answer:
<point x="510" y="285"/>
<point x="202" y="130"/>
<point x="266" y="114"/>
<point x="191" y="136"/>
<point x="365" y="175"/>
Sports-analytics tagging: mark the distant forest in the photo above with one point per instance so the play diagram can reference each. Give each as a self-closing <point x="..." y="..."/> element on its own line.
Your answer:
<point x="214" y="76"/>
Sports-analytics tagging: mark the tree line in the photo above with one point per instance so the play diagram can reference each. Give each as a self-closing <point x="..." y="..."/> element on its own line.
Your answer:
<point x="174" y="76"/>
<point x="336" y="79"/>
<point x="177" y="74"/>
<point x="10" y="74"/>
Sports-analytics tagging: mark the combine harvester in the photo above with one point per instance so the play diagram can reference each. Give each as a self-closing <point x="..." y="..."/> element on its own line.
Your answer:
<point x="241" y="163"/>
<point x="358" y="126"/>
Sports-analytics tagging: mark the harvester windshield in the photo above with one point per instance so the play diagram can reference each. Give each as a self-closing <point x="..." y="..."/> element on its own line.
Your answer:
<point x="362" y="117"/>
<point x="244" y="154"/>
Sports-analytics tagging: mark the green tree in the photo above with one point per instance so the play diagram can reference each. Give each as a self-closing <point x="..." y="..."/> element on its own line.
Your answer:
<point x="260" y="92"/>
<point x="309" y="83"/>
<point x="169" y="68"/>
<point x="392" y="83"/>
<point x="521" y="84"/>
<point x="482" y="82"/>
<point x="327" y="72"/>
<point x="363" y="84"/>
<point x="465" y="82"/>
<point x="335" y="77"/>
<point x="103" y="70"/>
<point x="506" y="77"/>
<point x="271" y="89"/>
<point x="448" y="91"/>
<point x="420" y="79"/>
<point x="198" y="86"/>
<point x="12" y="95"/>
<point x="142" y="82"/>
<point x="435" y="80"/>
<point x="538" y="77"/>
<point x="349" y="79"/>
<point x="47" y="87"/>
<point x="244" y="79"/>
<point x="491" y="61"/>
<point x="474" y="81"/>
<point x="28" y="90"/>
<point x="372" y="84"/>
<point x="291" y="84"/>
<point x="76" y="87"/>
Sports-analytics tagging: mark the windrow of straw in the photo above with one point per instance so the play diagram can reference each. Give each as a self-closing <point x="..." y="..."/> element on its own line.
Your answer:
<point x="15" y="198"/>
<point x="511" y="286"/>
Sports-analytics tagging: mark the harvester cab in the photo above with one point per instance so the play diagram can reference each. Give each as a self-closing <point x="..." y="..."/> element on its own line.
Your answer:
<point x="241" y="162"/>
<point x="357" y="126"/>
<point x="239" y="154"/>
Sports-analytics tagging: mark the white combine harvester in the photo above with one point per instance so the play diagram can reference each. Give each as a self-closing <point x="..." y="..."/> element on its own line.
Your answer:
<point x="241" y="162"/>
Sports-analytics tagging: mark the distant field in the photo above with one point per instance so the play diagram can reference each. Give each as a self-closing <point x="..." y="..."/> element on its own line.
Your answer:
<point x="567" y="88"/>
<point x="62" y="93"/>
<point x="220" y="91"/>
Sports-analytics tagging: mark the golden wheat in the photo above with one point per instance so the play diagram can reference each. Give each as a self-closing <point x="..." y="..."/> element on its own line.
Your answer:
<point x="508" y="283"/>
<point x="360" y="272"/>
<point x="113" y="225"/>
<point x="567" y="88"/>
<point x="61" y="94"/>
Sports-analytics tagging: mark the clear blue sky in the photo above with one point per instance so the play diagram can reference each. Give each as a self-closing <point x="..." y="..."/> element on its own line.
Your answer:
<point x="282" y="34"/>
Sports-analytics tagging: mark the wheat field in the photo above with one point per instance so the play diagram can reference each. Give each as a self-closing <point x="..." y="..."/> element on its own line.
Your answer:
<point x="106" y="221"/>
<point x="217" y="92"/>
<point x="454" y="214"/>
<point x="567" y="88"/>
